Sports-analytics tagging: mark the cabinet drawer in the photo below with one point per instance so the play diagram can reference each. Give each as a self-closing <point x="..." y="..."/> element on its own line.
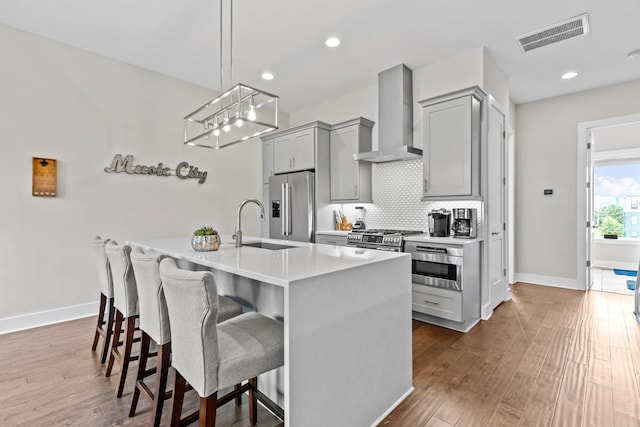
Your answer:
<point x="331" y="240"/>
<point x="443" y="303"/>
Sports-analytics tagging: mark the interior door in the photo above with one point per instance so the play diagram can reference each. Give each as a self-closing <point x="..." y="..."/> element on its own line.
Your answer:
<point x="496" y="201"/>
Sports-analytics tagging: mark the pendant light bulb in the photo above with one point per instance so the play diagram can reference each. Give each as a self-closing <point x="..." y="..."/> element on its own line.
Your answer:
<point x="251" y="115"/>
<point x="239" y="122"/>
<point x="216" y="127"/>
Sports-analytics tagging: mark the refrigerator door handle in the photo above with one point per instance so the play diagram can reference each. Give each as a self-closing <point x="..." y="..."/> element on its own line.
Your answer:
<point x="283" y="209"/>
<point x="287" y="189"/>
<point x="289" y="210"/>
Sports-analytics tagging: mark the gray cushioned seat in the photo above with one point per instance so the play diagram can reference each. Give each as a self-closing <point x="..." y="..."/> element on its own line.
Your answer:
<point x="211" y="356"/>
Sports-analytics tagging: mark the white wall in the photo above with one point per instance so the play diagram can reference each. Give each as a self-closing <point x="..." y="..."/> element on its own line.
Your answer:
<point x="546" y="158"/>
<point x="495" y="81"/>
<point x="81" y="109"/>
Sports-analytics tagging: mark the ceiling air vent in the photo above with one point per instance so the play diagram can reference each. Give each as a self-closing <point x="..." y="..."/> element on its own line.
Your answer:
<point x="574" y="27"/>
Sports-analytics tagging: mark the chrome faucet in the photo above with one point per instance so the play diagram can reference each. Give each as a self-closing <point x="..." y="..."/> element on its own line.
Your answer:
<point x="238" y="234"/>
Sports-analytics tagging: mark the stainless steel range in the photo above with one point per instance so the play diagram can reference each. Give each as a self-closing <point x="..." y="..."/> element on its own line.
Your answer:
<point x="380" y="239"/>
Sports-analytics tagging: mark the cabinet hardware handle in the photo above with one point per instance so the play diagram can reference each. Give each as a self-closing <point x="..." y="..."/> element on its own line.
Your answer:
<point x="432" y="302"/>
<point x="494" y="233"/>
<point x="355" y="187"/>
<point x="425" y="185"/>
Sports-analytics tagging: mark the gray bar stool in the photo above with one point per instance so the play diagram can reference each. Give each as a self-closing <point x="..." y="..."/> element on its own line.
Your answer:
<point x="154" y="325"/>
<point x="125" y="301"/>
<point x="212" y="356"/>
<point x="104" y="328"/>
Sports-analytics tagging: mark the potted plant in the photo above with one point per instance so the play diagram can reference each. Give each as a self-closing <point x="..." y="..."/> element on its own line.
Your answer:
<point x="205" y="239"/>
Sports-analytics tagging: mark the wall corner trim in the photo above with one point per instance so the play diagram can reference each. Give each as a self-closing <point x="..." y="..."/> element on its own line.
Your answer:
<point x="556" y="282"/>
<point x="42" y="318"/>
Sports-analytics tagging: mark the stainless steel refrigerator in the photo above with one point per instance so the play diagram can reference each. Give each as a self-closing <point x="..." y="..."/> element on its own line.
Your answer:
<point x="291" y="207"/>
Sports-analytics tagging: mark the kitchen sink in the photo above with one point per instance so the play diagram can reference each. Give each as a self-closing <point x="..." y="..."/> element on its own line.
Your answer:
<point x="265" y="245"/>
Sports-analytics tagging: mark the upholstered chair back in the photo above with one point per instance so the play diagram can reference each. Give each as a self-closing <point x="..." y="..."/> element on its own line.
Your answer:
<point x="104" y="271"/>
<point x="192" y="302"/>
<point x="125" y="294"/>
<point x="154" y="319"/>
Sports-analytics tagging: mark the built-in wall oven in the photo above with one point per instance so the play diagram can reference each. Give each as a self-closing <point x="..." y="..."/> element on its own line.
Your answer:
<point x="436" y="265"/>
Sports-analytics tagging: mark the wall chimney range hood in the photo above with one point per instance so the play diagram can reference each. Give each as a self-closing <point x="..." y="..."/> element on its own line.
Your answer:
<point x="395" y="118"/>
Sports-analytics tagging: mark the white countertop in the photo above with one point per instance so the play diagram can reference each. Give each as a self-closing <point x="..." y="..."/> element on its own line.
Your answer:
<point x="279" y="267"/>
<point x="444" y="240"/>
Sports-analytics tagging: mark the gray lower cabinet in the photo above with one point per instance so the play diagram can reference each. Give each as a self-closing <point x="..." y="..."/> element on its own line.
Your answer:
<point x="350" y="180"/>
<point x="443" y="303"/>
<point x="331" y="239"/>
<point x="451" y="145"/>
<point x="454" y="309"/>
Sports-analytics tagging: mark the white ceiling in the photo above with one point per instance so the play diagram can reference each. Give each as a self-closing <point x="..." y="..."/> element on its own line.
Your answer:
<point x="180" y="38"/>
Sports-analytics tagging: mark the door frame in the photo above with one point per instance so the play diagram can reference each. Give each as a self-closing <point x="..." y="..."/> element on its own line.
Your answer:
<point x="582" y="204"/>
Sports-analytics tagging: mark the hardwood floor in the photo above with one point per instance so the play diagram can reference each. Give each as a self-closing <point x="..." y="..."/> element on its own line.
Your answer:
<point x="548" y="357"/>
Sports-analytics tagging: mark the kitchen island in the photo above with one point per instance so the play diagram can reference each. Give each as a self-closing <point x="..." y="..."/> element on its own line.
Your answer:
<point x="347" y="322"/>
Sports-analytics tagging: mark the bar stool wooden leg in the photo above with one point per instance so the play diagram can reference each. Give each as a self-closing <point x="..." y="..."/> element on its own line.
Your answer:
<point x="239" y="395"/>
<point x="129" y="330"/>
<point x="142" y="367"/>
<point x="162" y="374"/>
<point x="178" y="397"/>
<point x="108" y="331"/>
<point x="208" y="406"/>
<point x="117" y="325"/>
<point x="96" y="336"/>
<point x="253" y="401"/>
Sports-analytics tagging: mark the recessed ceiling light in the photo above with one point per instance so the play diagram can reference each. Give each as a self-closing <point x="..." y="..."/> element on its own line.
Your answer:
<point x="569" y="75"/>
<point x="332" y="42"/>
<point x="267" y="75"/>
<point x="634" y="54"/>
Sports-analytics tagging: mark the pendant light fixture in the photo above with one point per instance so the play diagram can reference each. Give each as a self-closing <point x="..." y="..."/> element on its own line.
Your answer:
<point x="236" y="115"/>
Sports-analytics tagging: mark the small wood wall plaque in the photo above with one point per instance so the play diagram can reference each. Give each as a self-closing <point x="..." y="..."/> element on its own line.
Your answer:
<point x="44" y="177"/>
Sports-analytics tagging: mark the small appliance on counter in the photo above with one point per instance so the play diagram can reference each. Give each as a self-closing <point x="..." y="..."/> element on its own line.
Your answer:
<point x="359" y="222"/>
<point x="465" y="223"/>
<point x="439" y="223"/>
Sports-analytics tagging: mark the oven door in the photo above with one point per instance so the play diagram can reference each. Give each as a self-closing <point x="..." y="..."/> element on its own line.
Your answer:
<point x="440" y="270"/>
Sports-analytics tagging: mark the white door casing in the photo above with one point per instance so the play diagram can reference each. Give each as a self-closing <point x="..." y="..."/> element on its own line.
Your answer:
<point x="496" y="204"/>
<point x="589" y="207"/>
<point x="583" y="239"/>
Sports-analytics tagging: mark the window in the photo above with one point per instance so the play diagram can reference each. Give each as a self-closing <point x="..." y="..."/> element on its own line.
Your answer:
<point x="616" y="193"/>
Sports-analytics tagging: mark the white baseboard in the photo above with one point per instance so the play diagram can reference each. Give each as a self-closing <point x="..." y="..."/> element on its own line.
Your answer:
<point x="392" y="407"/>
<point x="557" y="282"/>
<point x="487" y="312"/>
<point x="42" y="318"/>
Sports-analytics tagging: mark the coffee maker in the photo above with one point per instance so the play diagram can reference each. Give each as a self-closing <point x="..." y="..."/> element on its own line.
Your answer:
<point x="439" y="223"/>
<point x="465" y="223"/>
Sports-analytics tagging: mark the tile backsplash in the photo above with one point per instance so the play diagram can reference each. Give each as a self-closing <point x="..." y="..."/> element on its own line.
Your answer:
<point x="397" y="193"/>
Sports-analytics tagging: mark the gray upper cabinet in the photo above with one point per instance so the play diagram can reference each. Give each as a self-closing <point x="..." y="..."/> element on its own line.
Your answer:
<point x="350" y="181"/>
<point x="294" y="151"/>
<point x="451" y="145"/>
<point x="267" y="160"/>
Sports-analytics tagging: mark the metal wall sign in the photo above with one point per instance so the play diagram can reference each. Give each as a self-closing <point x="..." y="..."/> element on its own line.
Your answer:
<point x="183" y="170"/>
